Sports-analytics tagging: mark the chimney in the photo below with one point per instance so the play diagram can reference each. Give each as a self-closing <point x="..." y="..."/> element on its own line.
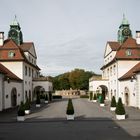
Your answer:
<point x="1" y="38"/>
<point x="138" y="37"/>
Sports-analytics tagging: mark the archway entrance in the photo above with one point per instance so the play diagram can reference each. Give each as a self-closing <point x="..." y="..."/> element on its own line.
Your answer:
<point x="38" y="91"/>
<point x="126" y="96"/>
<point x="14" y="97"/>
<point x="104" y="91"/>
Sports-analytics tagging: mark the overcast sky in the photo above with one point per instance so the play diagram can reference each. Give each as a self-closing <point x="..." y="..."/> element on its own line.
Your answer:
<point x="69" y="34"/>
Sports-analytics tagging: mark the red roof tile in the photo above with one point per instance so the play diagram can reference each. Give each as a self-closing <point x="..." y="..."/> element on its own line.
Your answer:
<point x="114" y="45"/>
<point x="8" y="73"/>
<point x="26" y="46"/>
<point x="128" y="45"/>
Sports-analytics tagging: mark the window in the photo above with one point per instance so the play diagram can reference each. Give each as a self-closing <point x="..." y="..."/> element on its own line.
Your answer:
<point x="114" y="69"/>
<point x="111" y="71"/>
<point x="29" y="72"/>
<point x="108" y="72"/>
<point x="29" y="58"/>
<point x="32" y="73"/>
<point x="128" y="52"/>
<point x="26" y="95"/>
<point x="25" y="70"/>
<point x="11" y="54"/>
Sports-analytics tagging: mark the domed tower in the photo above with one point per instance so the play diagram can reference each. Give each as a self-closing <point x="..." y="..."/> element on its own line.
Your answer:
<point x="124" y="31"/>
<point x="15" y="32"/>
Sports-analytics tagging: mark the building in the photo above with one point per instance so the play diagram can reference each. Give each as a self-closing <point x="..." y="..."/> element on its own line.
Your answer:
<point x="120" y="71"/>
<point x="10" y="95"/>
<point x="20" y="58"/>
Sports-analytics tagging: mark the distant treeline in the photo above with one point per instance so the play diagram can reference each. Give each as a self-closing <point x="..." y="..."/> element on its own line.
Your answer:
<point x="76" y="79"/>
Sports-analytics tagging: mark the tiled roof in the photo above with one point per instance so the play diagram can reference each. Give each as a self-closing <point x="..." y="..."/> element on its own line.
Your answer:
<point x="26" y="46"/>
<point x="129" y="45"/>
<point x="129" y="50"/>
<point x="9" y="44"/>
<point x="8" y="73"/>
<point x="114" y="45"/>
<point x="131" y="72"/>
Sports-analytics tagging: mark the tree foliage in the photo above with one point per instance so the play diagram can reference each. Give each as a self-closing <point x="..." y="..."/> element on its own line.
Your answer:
<point x="76" y="79"/>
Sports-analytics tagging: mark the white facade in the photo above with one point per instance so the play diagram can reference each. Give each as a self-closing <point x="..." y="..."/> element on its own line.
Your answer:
<point x="121" y="68"/>
<point x="46" y="85"/>
<point x="15" y="87"/>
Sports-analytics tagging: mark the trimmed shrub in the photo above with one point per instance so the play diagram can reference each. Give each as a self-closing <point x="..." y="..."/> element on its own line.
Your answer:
<point x="120" y="108"/>
<point x="90" y="95"/>
<point x="38" y="99"/>
<point x="113" y="102"/>
<point x="21" y="110"/>
<point x="57" y="97"/>
<point x="27" y="104"/>
<point x="70" y="109"/>
<point x="50" y="96"/>
<point x="84" y="96"/>
<point x="46" y="97"/>
<point x="98" y="95"/>
<point x="101" y="99"/>
<point x="95" y="97"/>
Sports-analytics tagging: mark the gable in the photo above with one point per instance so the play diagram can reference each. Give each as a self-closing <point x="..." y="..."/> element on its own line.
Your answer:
<point x="10" y="51"/>
<point x="32" y="51"/>
<point x="107" y="50"/>
<point x="9" y="44"/>
<point x="29" y="47"/>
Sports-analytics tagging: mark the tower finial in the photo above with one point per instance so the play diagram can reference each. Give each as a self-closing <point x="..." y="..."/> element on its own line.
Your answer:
<point x="124" y="21"/>
<point x="15" y="22"/>
<point x="123" y="16"/>
<point x="15" y="17"/>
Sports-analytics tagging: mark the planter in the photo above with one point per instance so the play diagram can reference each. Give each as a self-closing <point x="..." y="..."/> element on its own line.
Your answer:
<point x="38" y="105"/>
<point x="94" y="101"/>
<point x="20" y="118"/>
<point x="112" y="108"/>
<point x="46" y="102"/>
<point x="102" y="105"/>
<point x="120" y="117"/>
<point x="27" y="112"/>
<point x="70" y="117"/>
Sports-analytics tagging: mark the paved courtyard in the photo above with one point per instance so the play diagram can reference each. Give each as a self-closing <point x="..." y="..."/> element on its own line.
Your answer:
<point x="91" y="122"/>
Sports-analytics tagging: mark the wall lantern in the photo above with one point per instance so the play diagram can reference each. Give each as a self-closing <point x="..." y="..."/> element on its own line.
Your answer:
<point x="133" y="78"/>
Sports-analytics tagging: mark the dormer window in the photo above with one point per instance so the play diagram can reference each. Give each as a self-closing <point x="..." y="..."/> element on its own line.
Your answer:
<point x="11" y="54"/>
<point x="128" y="52"/>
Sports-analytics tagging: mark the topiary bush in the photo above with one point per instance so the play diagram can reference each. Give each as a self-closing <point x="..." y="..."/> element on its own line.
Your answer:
<point x="50" y="96"/>
<point x="95" y="97"/>
<point x="27" y="104"/>
<point x="120" y="108"/>
<point x="70" y="109"/>
<point x="113" y="102"/>
<point x="38" y="99"/>
<point x="102" y="99"/>
<point x="46" y="97"/>
<point x="21" y="110"/>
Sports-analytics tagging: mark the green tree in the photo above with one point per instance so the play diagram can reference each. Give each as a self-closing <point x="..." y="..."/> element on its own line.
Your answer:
<point x="76" y="79"/>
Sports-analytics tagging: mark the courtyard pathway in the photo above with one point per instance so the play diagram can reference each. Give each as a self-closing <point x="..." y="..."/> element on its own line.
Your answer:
<point x="83" y="110"/>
